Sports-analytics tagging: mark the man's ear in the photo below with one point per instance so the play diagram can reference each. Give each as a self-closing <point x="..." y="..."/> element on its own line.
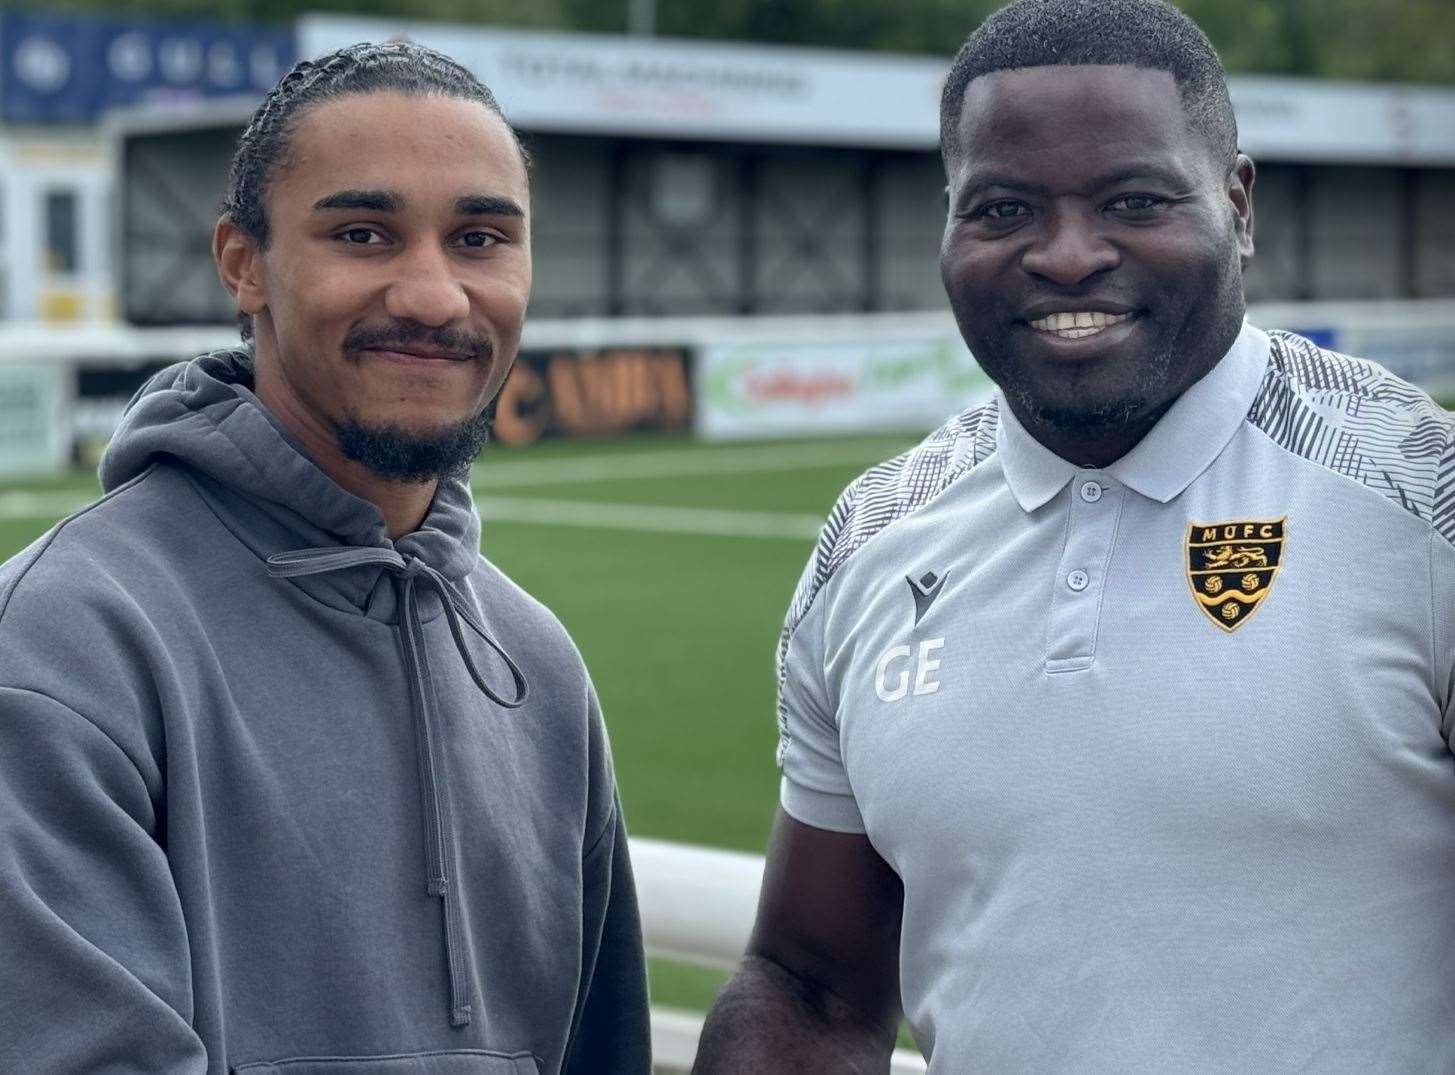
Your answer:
<point x="1240" y="193"/>
<point x="239" y="265"/>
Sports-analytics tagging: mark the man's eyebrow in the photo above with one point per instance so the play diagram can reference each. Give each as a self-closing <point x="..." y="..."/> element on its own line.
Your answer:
<point x="1158" y="172"/>
<point x="979" y="183"/>
<point x="378" y="201"/>
<point x="388" y="201"/>
<point x="488" y="205"/>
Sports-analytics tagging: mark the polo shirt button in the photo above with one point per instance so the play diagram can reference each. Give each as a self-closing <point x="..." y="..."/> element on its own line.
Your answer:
<point x="1078" y="580"/>
<point x="1091" y="492"/>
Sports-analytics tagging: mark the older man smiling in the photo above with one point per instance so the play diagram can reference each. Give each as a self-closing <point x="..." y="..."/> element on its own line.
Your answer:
<point x="1116" y="717"/>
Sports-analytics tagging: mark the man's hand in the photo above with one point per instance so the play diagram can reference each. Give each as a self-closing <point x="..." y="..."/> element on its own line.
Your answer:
<point x="818" y="989"/>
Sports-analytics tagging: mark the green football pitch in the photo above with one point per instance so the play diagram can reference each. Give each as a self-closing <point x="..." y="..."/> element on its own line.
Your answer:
<point x="671" y="563"/>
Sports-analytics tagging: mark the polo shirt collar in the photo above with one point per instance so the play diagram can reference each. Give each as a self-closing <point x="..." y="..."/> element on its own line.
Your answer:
<point x="1183" y="444"/>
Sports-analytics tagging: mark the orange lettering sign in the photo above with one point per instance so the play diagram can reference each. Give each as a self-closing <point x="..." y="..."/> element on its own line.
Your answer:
<point x="594" y="393"/>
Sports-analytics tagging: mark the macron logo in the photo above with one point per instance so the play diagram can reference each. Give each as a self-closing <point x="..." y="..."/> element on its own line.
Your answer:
<point x="924" y="591"/>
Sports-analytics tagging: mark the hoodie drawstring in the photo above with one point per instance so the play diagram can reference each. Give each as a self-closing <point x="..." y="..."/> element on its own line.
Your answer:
<point x="439" y="833"/>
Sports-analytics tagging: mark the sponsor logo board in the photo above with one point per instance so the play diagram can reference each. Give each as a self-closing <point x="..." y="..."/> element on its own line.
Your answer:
<point x="758" y="389"/>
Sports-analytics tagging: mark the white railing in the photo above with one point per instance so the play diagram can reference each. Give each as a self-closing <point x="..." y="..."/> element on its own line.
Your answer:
<point x="698" y="905"/>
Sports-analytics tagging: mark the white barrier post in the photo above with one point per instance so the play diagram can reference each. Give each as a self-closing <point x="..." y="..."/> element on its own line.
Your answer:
<point x="698" y="906"/>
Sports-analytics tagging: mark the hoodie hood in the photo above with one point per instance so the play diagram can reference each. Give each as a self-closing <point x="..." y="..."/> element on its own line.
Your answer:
<point x="267" y="491"/>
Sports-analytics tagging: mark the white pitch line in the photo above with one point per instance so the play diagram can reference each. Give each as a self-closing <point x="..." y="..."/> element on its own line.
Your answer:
<point x="676" y="463"/>
<point x="672" y="463"/>
<point x="20" y="505"/>
<point x="652" y="518"/>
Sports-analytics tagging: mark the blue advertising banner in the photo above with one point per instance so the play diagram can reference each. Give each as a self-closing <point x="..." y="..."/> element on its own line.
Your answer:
<point x="70" y="68"/>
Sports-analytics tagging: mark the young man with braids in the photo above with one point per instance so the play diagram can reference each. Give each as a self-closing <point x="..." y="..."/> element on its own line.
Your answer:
<point x="1116" y="717"/>
<point x="291" y="779"/>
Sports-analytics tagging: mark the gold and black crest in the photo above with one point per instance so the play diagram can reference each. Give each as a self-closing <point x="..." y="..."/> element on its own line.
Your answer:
<point x="1231" y="566"/>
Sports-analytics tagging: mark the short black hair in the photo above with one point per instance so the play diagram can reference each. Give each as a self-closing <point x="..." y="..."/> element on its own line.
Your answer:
<point x="1137" y="33"/>
<point x="262" y="149"/>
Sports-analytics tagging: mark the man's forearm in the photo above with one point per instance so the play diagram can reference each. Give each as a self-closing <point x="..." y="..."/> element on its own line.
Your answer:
<point x="768" y="1020"/>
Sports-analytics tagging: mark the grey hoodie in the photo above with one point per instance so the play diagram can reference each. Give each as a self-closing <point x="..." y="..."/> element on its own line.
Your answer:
<point x="270" y="800"/>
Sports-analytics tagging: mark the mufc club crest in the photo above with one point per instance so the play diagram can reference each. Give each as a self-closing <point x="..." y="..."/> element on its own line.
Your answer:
<point x="1231" y="567"/>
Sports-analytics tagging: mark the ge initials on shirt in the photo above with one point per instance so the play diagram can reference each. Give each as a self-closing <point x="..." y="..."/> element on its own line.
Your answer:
<point x="894" y="665"/>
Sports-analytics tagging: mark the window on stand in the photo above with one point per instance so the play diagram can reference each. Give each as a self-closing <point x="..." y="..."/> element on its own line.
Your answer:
<point x="61" y="250"/>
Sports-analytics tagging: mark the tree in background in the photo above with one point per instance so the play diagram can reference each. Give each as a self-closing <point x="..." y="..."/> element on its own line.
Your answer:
<point x="1399" y="40"/>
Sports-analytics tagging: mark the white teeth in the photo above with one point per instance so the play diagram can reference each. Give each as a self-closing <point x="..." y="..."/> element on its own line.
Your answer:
<point x="1073" y="325"/>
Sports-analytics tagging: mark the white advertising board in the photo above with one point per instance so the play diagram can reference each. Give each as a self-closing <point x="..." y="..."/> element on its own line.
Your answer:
<point x="796" y="388"/>
<point x="1301" y="119"/>
<point x="34" y="436"/>
<point x="614" y="84"/>
<point x="649" y="87"/>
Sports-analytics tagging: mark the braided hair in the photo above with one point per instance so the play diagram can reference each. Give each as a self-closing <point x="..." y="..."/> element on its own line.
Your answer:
<point x="1138" y="33"/>
<point x="262" y="149"/>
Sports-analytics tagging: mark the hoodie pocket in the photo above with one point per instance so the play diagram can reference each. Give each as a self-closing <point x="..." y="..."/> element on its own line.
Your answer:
<point x="446" y="1062"/>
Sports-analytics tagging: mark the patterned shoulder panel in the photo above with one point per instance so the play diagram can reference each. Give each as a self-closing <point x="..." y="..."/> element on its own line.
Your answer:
<point x="890" y="491"/>
<point x="1361" y="421"/>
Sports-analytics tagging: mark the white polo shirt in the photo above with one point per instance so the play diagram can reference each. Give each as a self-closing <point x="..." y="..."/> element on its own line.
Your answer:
<point x="1161" y="751"/>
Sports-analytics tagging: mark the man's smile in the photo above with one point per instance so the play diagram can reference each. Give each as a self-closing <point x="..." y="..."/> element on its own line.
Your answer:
<point x="1075" y="324"/>
<point x="1078" y="329"/>
<point x="414" y="355"/>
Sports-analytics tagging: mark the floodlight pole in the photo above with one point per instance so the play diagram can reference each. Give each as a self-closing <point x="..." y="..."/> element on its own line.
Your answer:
<point x="641" y="18"/>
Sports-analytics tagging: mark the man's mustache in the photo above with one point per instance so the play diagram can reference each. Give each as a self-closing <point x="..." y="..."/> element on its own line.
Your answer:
<point x="413" y="333"/>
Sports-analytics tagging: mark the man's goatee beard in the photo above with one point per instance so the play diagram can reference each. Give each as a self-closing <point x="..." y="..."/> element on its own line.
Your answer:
<point x="401" y="455"/>
<point x="1088" y="424"/>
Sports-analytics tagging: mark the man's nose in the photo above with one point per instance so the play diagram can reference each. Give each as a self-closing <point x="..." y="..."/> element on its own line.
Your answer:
<point x="1069" y="249"/>
<point x="427" y="289"/>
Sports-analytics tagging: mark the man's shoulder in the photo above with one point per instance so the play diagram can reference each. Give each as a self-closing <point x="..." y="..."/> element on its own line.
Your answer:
<point x="890" y="491"/>
<point x="99" y="581"/>
<point x="1306" y="367"/>
<point x="79" y="604"/>
<point x="86" y="549"/>
<point x="1355" y="418"/>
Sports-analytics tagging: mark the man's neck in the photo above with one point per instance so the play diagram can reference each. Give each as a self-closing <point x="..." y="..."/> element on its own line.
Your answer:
<point x="403" y="504"/>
